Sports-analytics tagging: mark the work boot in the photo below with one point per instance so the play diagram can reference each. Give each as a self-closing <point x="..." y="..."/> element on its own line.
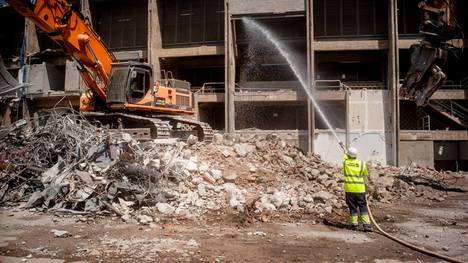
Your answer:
<point x="352" y="227"/>
<point x="367" y="227"/>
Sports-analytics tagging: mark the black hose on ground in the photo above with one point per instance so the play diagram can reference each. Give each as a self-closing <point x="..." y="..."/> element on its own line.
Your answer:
<point x="402" y="242"/>
<point x="417" y="248"/>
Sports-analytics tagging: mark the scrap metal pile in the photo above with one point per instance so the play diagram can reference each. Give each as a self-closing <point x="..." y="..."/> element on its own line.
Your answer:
<point x="69" y="165"/>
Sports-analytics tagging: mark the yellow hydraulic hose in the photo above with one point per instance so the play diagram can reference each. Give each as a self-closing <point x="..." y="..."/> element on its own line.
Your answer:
<point x="420" y="249"/>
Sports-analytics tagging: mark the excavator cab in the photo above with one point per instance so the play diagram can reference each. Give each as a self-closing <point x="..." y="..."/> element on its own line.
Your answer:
<point x="130" y="83"/>
<point x="158" y="115"/>
<point x="139" y="84"/>
<point x="131" y="87"/>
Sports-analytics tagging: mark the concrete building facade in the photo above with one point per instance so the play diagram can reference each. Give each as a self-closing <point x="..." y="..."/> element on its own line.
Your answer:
<point x="352" y="55"/>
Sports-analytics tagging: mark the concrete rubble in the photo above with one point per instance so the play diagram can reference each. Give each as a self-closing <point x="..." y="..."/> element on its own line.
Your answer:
<point x="68" y="165"/>
<point x="60" y="233"/>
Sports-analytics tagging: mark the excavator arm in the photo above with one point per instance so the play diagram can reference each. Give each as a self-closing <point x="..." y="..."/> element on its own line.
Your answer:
<point x="68" y="28"/>
<point x="118" y="87"/>
<point x="425" y="76"/>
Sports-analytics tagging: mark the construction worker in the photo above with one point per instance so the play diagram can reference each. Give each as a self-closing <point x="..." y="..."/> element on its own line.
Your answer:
<point x="354" y="172"/>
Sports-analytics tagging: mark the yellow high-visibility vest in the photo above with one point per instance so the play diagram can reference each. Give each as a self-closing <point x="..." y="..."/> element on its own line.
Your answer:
<point x="354" y="172"/>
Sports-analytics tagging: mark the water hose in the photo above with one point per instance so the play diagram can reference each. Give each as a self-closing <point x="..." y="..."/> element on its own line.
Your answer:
<point x="404" y="243"/>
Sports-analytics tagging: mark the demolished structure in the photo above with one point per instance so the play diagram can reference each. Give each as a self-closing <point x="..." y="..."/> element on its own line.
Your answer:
<point x="358" y="53"/>
<point x="271" y="157"/>
<point x="68" y="165"/>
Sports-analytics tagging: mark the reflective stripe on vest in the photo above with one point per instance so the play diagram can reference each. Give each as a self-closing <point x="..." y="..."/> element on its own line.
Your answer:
<point x="353" y="179"/>
<point x="349" y="182"/>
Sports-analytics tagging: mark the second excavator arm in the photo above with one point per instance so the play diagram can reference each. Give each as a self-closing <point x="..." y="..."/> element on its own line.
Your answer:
<point x="438" y="26"/>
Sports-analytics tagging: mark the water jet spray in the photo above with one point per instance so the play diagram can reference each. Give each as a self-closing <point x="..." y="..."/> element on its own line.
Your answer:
<point x="253" y="25"/>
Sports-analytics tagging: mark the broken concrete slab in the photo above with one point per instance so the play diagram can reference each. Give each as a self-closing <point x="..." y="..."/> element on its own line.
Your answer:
<point x="242" y="149"/>
<point x="192" y="139"/>
<point x="218" y="138"/>
<point x="144" y="219"/>
<point x="230" y="176"/>
<point x="36" y="199"/>
<point x="280" y="199"/>
<point x="216" y="174"/>
<point x="51" y="174"/>
<point x="165" y="208"/>
<point x="322" y="197"/>
<point x="60" y="233"/>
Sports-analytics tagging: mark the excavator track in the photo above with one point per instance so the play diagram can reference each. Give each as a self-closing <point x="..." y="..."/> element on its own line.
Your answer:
<point x="182" y="127"/>
<point x="140" y="127"/>
<point x="153" y="127"/>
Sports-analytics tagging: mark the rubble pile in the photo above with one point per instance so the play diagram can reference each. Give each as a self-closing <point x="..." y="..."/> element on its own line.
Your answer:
<point x="69" y="165"/>
<point x="276" y="175"/>
<point x="389" y="183"/>
<point x="25" y="153"/>
<point x="281" y="178"/>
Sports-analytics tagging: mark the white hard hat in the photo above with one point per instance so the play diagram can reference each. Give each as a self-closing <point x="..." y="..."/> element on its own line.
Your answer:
<point x="352" y="152"/>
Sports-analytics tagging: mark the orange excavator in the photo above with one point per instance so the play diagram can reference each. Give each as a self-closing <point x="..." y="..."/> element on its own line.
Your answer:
<point x="122" y="95"/>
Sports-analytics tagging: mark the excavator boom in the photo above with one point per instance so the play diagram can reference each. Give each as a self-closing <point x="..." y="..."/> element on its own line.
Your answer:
<point x="68" y="28"/>
<point x="117" y="87"/>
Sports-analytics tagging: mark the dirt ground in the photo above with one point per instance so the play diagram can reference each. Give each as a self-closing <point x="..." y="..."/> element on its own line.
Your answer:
<point x="26" y="237"/>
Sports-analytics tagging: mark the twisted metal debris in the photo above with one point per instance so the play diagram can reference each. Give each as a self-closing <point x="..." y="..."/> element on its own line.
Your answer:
<point x="70" y="160"/>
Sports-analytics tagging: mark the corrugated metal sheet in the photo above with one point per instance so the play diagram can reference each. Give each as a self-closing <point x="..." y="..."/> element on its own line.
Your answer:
<point x="265" y="6"/>
<point x="409" y="17"/>
<point x="335" y="18"/>
<point x="349" y="17"/>
<point x="122" y="24"/>
<point x="366" y="17"/>
<point x="319" y="18"/>
<point x="462" y="10"/>
<point x="11" y="32"/>
<point x="192" y="22"/>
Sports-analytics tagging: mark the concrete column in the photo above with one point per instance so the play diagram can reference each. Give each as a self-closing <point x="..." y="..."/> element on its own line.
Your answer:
<point x="72" y="77"/>
<point x="154" y="37"/>
<point x="196" y="106"/>
<point x="309" y="5"/>
<point x="5" y="113"/>
<point x="31" y="47"/>
<point x="86" y="11"/>
<point x="32" y="44"/>
<point x="229" y="71"/>
<point x="347" y="137"/>
<point x="393" y="77"/>
<point x="26" y="112"/>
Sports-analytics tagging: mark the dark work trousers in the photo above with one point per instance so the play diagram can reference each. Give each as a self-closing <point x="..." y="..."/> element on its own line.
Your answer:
<point x="357" y="203"/>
